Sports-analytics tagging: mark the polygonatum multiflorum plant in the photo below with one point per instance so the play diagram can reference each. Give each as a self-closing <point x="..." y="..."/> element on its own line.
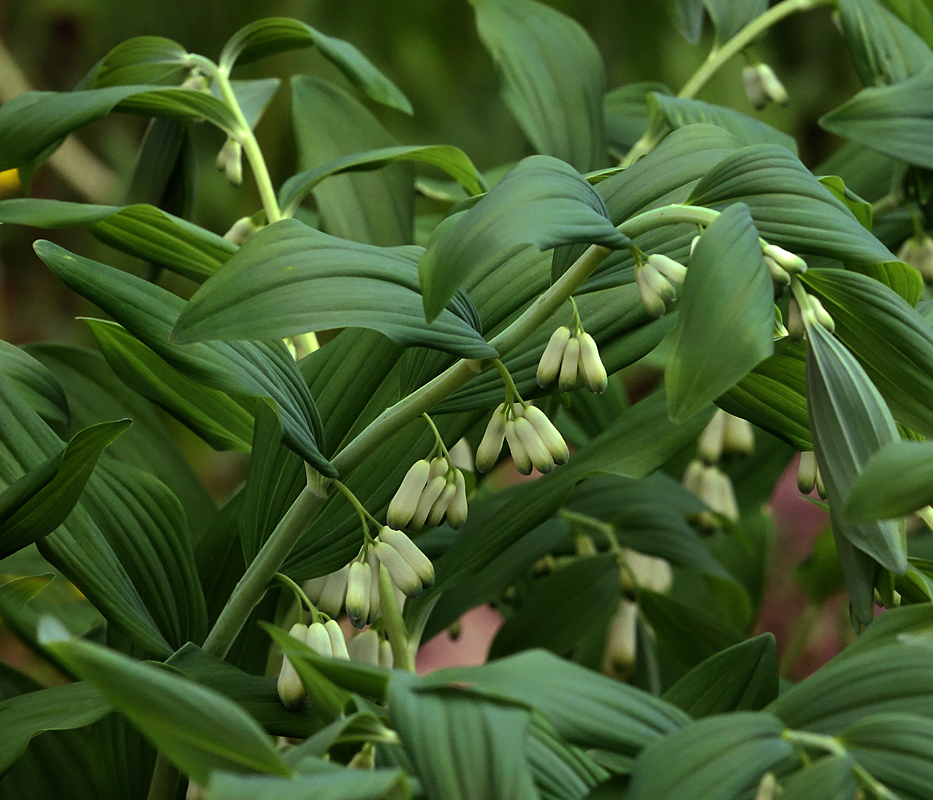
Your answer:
<point x="388" y="372"/>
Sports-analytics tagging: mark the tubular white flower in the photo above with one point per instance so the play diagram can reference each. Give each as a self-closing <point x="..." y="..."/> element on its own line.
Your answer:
<point x="619" y="655"/>
<point x="751" y="80"/>
<point x="667" y="267"/>
<point x="785" y="259"/>
<point x="364" y="648"/>
<point x="318" y="640"/>
<point x="439" y="467"/>
<point x="489" y="448"/>
<point x="334" y="592"/>
<point x="709" y="447"/>
<point x="537" y="452"/>
<point x="806" y="472"/>
<point x="821" y="315"/>
<point x="289" y="687"/>
<point x="386" y="658"/>
<point x="401" y="572"/>
<point x="458" y="509"/>
<point x="338" y="642"/>
<point x="664" y="288"/>
<point x="429" y="496"/>
<point x="412" y="554"/>
<point x="568" y="368"/>
<point x="551" y="437"/>
<point x="358" y="593"/>
<point x="552" y="357"/>
<point x="519" y="453"/>
<point x="439" y="509"/>
<point x="405" y="502"/>
<point x="652" y="301"/>
<point x="738" y="435"/>
<point x="773" y="88"/>
<point x="592" y="369"/>
<point x="779" y="275"/>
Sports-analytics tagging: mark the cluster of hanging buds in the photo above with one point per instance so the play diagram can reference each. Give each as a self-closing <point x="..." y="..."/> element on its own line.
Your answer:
<point x="808" y="474"/>
<point x="762" y="86"/>
<point x="803" y="310"/>
<point x="724" y="436"/>
<point x="572" y="353"/>
<point x="533" y="440"/>
<point x="324" y="638"/>
<point x="431" y="492"/>
<point x="658" y="278"/>
<point x="782" y="263"/>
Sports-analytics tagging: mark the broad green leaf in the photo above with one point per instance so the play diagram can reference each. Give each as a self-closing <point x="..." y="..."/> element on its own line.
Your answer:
<point x="32" y="123"/>
<point x="789" y="206"/>
<point x="258" y="369"/>
<point x="891" y="340"/>
<point x="24" y="716"/>
<point x="916" y="14"/>
<point x="849" y="422"/>
<point x="860" y="208"/>
<point x="562" y="609"/>
<point x="140" y="230"/>
<point x="687" y="16"/>
<point x="911" y="625"/>
<point x="375" y="208"/>
<point x="586" y="708"/>
<point x="677" y="112"/>
<point x="553" y="79"/>
<point x="142" y="59"/>
<point x="451" y="159"/>
<point x="560" y="771"/>
<point x="34" y="382"/>
<point x="897" y="749"/>
<point x="718" y="758"/>
<point x="626" y="111"/>
<point x="774" y="395"/>
<point x="885" y="50"/>
<point x="895" y="678"/>
<point x="291" y="279"/>
<point x="725" y="324"/>
<point x="895" y="481"/>
<point x="829" y="778"/>
<point x="273" y="35"/>
<point x="198" y="729"/>
<point x="222" y="421"/>
<point x="43" y="498"/>
<point x="21" y="590"/>
<point x="448" y="734"/>
<point x="893" y="120"/>
<point x="902" y="278"/>
<point x="743" y="677"/>
<point x="254" y="97"/>
<point x="730" y="16"/>
<point x="542" y="202"/>
<point x="341" y="784"/>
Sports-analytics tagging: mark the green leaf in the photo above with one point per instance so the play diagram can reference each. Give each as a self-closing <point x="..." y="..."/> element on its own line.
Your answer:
<point x="375" y="208"/>
<point x="24" y="716"/>
<point x="688" y="18"/>
<point x="895" y="481"/>
<point x="790" y="207"/>
<point x="552" y="75"/>
<point x="273" y="35"/>
<point x="562" y="609"/>
<point x="34" y="382"/>
<point x="671" y="112"/>
<point x="586" y="708"/>
<point x="718" y="758"/>
<point x="626" y="111"/>
<point x="290" y="279"/>
<point x="341" y="784"/>
<point x="829" y="778"/>
<point x="19" y="591"/>
<point x="42" y="499"/>
<point x="32" y="123"/>
<point x="773" y="395"/>
<point x="892" y="342"/>
<point x="142" y="59"/>
<point x="222" y="421"/>
<point x="542" y="202"/>
<point x="258" y="369"/>
<point x="743" y="677"/>
<point x="451" y="159"/>
<point x="895" y="678"/>
<point x="727" y="281"/>
<point x="140" y="230"/>
<point x="730" y="16"/>
<point x="902" y="278"/>
<point x="196" y="728"/>
<point x="860" y="208"/>
<point x="893" y="120"/>
<point x="449" y="733"/>
<point x="911" y="625"/>
<point x="849" y="422"/>
<point x="897" y="749"/>
<point x="884" y="48"/>
<point x="560" y="771"/>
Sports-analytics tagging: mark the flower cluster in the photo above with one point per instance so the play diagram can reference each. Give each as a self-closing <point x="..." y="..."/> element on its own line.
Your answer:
<point x="431" y="492"/>
<point x="571" y="355"/>
<point x="657" y="279"/>
<point x="533" y="440"/>
<point x="762" y="86"/>
<point x="324" y="638"/>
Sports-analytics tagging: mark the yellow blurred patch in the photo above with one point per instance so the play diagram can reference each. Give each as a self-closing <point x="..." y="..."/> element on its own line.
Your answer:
<point x="9" y="182"/>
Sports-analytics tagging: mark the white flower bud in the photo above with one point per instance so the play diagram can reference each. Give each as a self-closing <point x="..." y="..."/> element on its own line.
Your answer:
<point x="621" y="637"/>
<point x="568" y="367"/>
<point x="386" y="658"/>
<point x="230" y="161"/>
<point x="673" y="271"/>
<point x="318" y="640"/>
<point x="489" y="448"/>
<point x="773" y="88"/>
<point x="334" y="592"/>
<point x="806" y="472"/>
<point x="592" y="369"/>
<point x="738" y="436"/>
<point x="338" y="643"/>
<point x="651" y="300"/>
<point x="438" y="467"/>
<point x="709" y="448"/>
<point x="648" y="572"/>
<point x="693" y="476"/>
<point x="458" y="508"/>
<point x="548" y="434"/>
<point x="429" y="496"/>
<point x="918" y="252"/>
<point x="401" y="572"/>
<point x="535" y="448"/>
<point x="657" y="281"/>
<point x="364" y="648"/>
<point x="241" y="231"/>
<point x="821" y="315"/>
<point x="519" y="453"/>
<point x="405" y="503"/>
<point x="552" y="357"/>
<point x="412" y="554"/>
<point x="751" y="80"/>
<point x="779" y="275"/>
<point x="439" y="509"/>
<point x="785" y="259"/>
<point x="358" y="593"/>
<point x="289" y="687"/>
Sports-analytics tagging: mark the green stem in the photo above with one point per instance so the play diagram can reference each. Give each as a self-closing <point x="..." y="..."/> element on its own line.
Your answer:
<point x="511" y="392"/>
<point x="300" y="596"/>
<point x="361" y="512"/>
<point x="437" y="437"/>
<point x="719" y="56"/>
<point x="165" y="777"/>
<point x="926" y="514"/>
<point x="394" y="624"/>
